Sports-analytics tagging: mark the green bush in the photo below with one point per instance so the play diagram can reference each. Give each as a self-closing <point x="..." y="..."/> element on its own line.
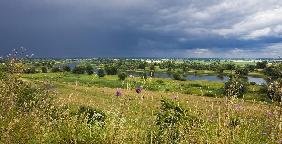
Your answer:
<point x="30" y="70"/>
<point x="78" y="70"/>
<point x="209" y="94"/>
<point x="173" y="121"/>
<point x="235" y="86"/>
<point x="56" y="69"/>
<point x="274" y="90"/>
<point x="2" y="72"/>
<point x="122" y="76"/>
<point x="261" y="65"/>
<point x="101" y="73"/>
<point x="252" y="83"/>
<point x="178" y="76"/>
<point x="111" y="70"/>
<point x="44" y="69"/>
<point x="92" y="115"/>
<point x="242" y="72"/>
<point x="89" y="69"/>
<point x="273" y="71"/>
<point x="143" y="75"/>
<point x="66" y="68"/>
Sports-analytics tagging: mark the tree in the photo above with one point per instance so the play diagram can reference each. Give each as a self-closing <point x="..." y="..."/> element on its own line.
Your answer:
<point x="56" y="69"/>
<point x="142" y="65"/>
<point x="89" y="69"/>
<point x="261" y="65"/>
<point x="178" y="76"/>
<point x="101" y="73"/>
<point x="122" y="76"/>
<point x="44" y="69"/>
<point x="143" y="75"/>
<point x="30" y="70"/>
<point x="241" y="72"/>
<point x="274" y="90"/>
<point x="171" y="120"/>
<point x="111" y="70"/>
<point x="78" y="70"/>
<point x="273" y="72"/>
<point x="152" y="67"/>
<point x="236" y="86"/>
<point x="230" y="66"/>
<point x="184" y="67"/>
<point x="66" y="68"/>
<point x="219" y="70"/>
<point x="250" y="68"/>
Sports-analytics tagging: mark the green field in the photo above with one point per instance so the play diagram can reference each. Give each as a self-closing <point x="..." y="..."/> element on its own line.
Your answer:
<point x="195" y="87"/>
<point x="131" y="117"/>
<point x="64" y="107"/>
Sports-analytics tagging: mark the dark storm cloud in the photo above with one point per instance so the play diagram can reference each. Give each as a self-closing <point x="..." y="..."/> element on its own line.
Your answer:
<point x="165" y="28"/>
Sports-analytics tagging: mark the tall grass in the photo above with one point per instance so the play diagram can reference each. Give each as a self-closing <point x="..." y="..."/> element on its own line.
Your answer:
<point x="33" y="113"/>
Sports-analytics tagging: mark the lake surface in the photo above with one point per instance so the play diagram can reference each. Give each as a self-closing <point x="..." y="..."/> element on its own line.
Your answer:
<point x="257" y="80"/>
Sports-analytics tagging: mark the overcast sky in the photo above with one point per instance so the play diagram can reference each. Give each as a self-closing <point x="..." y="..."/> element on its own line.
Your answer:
<point x="142" y="28"/>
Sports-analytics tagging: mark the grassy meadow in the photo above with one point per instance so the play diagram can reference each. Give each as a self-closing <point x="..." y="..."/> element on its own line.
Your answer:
<point x="63" y="107"/>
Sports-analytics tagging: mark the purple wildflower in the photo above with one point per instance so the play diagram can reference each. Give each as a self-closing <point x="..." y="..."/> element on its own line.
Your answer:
<point x="174" y="97"/>
<point x="118" y="92"/>
<point x="138" y="89"/>
<point x="237" y="107"/>
<point x="270" y="114"/>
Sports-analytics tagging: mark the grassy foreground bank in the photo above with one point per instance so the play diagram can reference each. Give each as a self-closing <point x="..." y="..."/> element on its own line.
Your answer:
<point x="149" y="117"/>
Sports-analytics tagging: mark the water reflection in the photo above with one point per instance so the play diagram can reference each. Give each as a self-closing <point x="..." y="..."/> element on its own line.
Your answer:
<point x="218" y="78"/>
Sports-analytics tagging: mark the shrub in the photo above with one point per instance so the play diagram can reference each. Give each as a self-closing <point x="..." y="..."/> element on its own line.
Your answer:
<point x="261" y="65"/>
<point x="16" y="94"/>
<point x="242" y="72"/>
<point x="251" y="68"/>
<point x="66" y="68"/>
<point x="111" y="70"/>
<point x="274" y="90"/>
<point x="178" y="76"/>
<point x="44" y="70"/>
<point x="252" y="83"/>
<point x="209" y="94"/>
<point x="89" y="69"/>
<point x="2" y="74"/>
<point x="274" y="71"/>
<point x="30" y="70"/>
<point x="101" y="73"/>
<point x="235" y="86"/>
<point x="56" y="69"/>
<point x="78" y="70"/>
<point x="91" y="115"/>
<point x="152" y="67"/>
<point x="122" y="76"/>
<point x="142" y="65"/>
<point x="263" y="88"/>
<point x="170" y="122"/>
<point x="143" y="75"/>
